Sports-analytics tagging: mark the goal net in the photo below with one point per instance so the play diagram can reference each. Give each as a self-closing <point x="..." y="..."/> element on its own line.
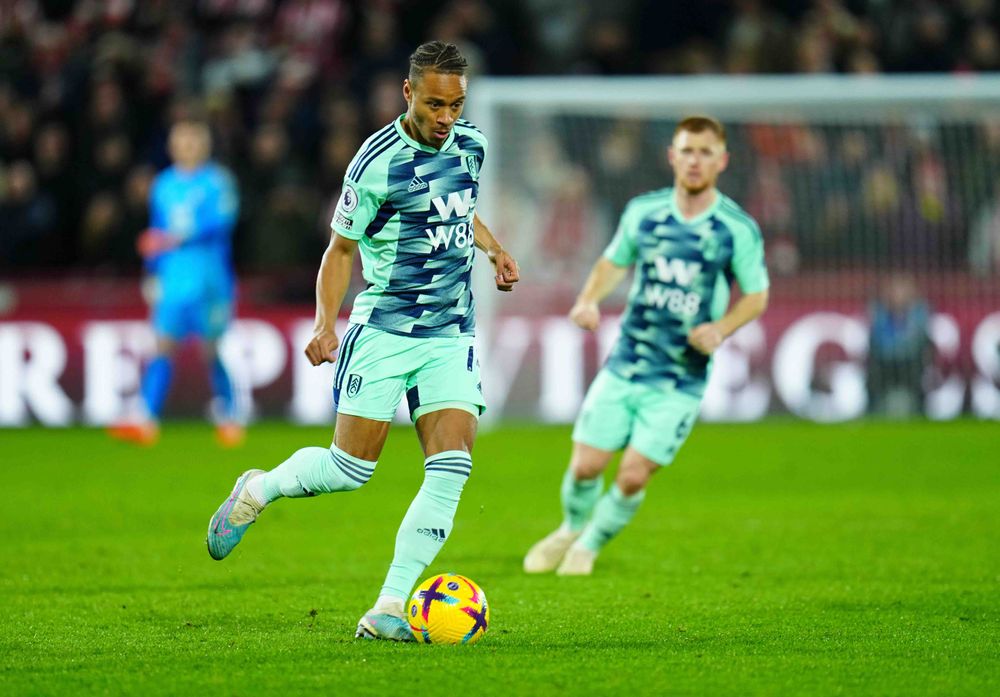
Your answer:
<point x="879" y="200"/>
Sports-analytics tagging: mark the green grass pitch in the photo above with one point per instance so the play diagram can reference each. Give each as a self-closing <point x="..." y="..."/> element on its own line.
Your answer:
<point x="775" y="558"/>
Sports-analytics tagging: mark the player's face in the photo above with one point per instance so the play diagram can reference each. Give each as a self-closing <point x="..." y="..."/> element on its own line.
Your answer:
<point x="190" y="145"/>
<point x="434" y="102"/>
<point x="698" y="159"/>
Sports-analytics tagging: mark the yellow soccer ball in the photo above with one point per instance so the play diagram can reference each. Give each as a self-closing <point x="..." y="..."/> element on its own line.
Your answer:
<point x="448" y="609"/>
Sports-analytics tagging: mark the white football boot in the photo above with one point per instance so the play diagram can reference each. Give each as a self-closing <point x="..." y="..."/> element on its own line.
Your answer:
<point x="546" y="554"/>
<point x="579" y="561"/>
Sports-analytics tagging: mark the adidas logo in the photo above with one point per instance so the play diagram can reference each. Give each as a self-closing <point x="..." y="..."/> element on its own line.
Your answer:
<point x="416" y="184"/>
<point x="436" y="534"/>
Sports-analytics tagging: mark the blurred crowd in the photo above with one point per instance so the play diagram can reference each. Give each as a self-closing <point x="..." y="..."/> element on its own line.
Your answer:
<point x="88" y="89"/>
<point x="920" y="194"/>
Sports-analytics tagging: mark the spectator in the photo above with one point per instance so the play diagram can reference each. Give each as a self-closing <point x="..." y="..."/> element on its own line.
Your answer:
<point x="984" y="239"/>
<point x="899" y="349"/>
<point x="27" y="220"/>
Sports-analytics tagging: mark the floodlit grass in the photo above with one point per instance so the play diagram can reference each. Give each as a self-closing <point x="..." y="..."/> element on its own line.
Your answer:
<point x="775" y="558"/>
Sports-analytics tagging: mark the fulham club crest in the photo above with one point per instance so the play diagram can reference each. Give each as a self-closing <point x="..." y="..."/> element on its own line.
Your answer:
<point x="472" y="164"/>
<point x="353" y="384"/>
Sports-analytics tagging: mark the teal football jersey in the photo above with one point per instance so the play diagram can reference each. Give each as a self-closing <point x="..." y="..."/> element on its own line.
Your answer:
<point x="683" y="273"/>
<point x="411" y="207"/>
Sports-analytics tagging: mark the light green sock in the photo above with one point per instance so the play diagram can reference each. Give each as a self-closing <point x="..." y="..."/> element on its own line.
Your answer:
<point x="612" y="513"/>
<point x="579" y="496"/>
<point x="428" y="522"/>
<point x="312" y="471"/>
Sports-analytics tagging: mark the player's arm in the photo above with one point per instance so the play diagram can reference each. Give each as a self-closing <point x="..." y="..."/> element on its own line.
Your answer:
<point x="709" y="336"/>
<point x="607" y="273"/>
<point x="356" y="208"/>
<point x="507" y="272"/>
<point x="750" y="272"/>
<point x="154" y="240"/>
<point x="331" y="286"/>
<point x="603" y="278"/>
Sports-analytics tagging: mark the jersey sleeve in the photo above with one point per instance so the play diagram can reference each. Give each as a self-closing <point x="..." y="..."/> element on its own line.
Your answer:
<point x="358" y="204"/>
<point x="748" y="260"/>
<point x="225" y="206"/>
<point x="157" y="209"/>
<point x="623" y="250"/>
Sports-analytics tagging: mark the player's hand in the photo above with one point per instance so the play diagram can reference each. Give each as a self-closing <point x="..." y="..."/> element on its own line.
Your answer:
<point x="323" y="347"/>
<point x="153" y="242"/>
<point x="705" y="338"/>
<point x="585" y="315"/>
<point x="507" y="271"/>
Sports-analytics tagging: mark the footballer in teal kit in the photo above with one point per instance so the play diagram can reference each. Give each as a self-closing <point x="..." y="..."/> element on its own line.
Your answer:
<point x="687" y="244"/>
<point x="408" y="206"/>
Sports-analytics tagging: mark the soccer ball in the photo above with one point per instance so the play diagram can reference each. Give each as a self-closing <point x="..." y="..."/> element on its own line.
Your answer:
<point x="448" y="609"/>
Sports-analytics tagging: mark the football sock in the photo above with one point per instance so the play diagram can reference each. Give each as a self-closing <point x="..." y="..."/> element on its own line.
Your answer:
<point x="390" y="605"/>
<point x="428" y="522"/>
<point x="156" y="384"/>
<point x="311" y="471"/>
<point x="612" y="513"/>
<point x="579" y="496"/>
<point x="222" y="387"/>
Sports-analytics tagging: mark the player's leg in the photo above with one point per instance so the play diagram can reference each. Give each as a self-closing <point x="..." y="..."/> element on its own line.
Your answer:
<point x="229" y="423"/>
<point x="601" y="429"/>
<point x="612" y="513"/>
<point x="445" y="401"/>
<point x="580" y="490"/>
<point x="214" y="318"/>
<point x="662" y="420"/>
<point x="144" y="428"/>
<point x="346" y="465"/>
<point x="446" y="436"/>
<point x="362" y="426"/>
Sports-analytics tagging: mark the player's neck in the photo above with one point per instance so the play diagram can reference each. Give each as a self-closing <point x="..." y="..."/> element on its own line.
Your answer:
<point x="691" y="205"/>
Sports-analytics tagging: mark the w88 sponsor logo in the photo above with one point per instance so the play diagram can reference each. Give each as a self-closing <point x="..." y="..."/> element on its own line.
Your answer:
<point x="674" y="300"/>
<point x="459" y="233"/>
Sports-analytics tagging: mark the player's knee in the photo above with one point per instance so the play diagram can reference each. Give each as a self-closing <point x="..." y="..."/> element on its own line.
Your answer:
<point x="632" y="480"/>
<point x="584" y="468"/>
<point x="352" y="472"/>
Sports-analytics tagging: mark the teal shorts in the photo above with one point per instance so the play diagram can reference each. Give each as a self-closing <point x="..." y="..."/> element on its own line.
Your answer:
<point x="654" y="420"/>
<point x="376" y="368"/>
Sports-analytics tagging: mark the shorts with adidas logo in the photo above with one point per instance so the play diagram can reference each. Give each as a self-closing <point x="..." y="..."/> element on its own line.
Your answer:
<point x="653" y="419"/>
<point x="375" y="369"/>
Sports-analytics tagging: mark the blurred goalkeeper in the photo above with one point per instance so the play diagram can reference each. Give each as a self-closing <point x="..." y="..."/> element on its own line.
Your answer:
<point x="687" y="244"/>
<point x="188" y="250"/>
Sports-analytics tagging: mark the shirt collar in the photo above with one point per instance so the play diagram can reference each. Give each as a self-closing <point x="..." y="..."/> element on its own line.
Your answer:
<point x="398" y="123"/>
<point x="701" y="217"/>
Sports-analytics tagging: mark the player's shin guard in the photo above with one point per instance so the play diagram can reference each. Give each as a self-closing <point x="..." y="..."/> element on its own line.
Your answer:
<point x="427" y="523"/>
<point x="612" y="513"/>
<point x="156" y="384"/>
<point x="312" y="471"/>
<point x="579" y="496"/>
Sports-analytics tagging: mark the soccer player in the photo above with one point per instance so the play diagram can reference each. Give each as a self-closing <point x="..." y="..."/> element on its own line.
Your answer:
<point x="188" y="250"/>
<point x="408" y="203"/>
<point x="687" y="244"/>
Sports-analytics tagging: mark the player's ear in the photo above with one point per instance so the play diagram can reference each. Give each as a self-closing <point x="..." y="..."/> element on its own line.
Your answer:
<point x="670" y="155"/>
<point x="724" y="160"/>
<point x="407" y="90"/>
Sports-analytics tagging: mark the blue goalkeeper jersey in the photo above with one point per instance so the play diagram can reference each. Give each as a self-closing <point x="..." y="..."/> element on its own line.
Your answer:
<point x="199" y="207"/>
<point x="683" y="272"/>
<point x="411" y="209"/>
